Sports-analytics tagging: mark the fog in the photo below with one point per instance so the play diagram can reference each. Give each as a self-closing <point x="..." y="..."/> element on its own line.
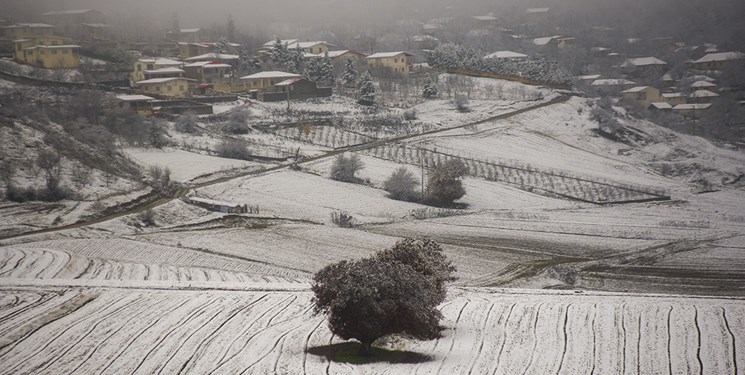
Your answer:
<point x="721" y="20"/>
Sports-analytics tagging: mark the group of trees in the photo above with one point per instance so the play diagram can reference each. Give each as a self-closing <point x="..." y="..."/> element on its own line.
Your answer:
<point x="444" y="181"/>
<point x="452" y="56"/>
<point x="395" y="291"/>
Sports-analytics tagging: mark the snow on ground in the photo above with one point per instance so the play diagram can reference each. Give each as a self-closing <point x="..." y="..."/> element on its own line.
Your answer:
<point x="185" y="165"/>
<point x="115" y="330"/>
<point x="298" y="195"/>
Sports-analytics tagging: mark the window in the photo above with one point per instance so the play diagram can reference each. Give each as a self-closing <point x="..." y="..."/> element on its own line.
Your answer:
<point x="157" y="88"/>
<point x="169" y="88"/>
<point x="149" y="66"/>
<point x="180" y="87"/>
<point x="139" y="67"/>
<point x="54" y="51"/>
<point x="395" y="60"/>
<point x="642" y="96"/>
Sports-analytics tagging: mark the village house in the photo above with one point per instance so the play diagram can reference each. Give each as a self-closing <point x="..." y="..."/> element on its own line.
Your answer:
<point x="49" y="52"/>
<point x="718" y="60"/>
<point x="143" y="65"/>
<point x="339" y="58"/>
<point x="136" y="103"/>
<point x="647" y="67"/>
<point x="188" y="50"/>
<point x="660" y="106"/>
<point x="487" y="20"/>
<point x="214" y="75"/>
<point x="263" y="80"/>
<point x="702" y="96"/>
<point x="317" y="47"/>
<point x="69" y="22"/>
<point x="611" y="86"/>
<point x="293" y="88"/>
<point x="706" y="85"/>
<point x="25" y="30"/>
<point x="587" y="79"/>
<point x="674" y="98"/>
<point x="398" y="62"/>
<point x="168" y="87"/>
<point x="95" y="31"/>
<point x="164" y="73"/>
<point x="215" y="56"/>
<point x="691" y="110"/>
<point x="643" y="96"/>
<point x="194" y="35"/>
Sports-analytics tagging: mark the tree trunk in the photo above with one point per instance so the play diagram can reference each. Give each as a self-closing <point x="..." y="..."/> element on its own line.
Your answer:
<point x="366" y="348"/>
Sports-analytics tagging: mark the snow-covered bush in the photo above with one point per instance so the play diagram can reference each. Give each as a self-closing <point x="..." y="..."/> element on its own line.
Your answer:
<point x="401" y="185"/>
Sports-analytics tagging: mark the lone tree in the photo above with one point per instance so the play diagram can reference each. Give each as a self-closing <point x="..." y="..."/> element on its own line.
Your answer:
<point x="401" y="185"/>
<point x="367" y="90"/>
<point x="394" y="292"/>
<point x="344" y="168"/>
<point x="350" y="74"/>
<point x="430" y="88"/>
<point x="444" y="184"/>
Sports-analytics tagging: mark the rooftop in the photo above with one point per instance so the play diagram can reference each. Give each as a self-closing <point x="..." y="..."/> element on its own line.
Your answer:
<point x="68" y="12"/>
<point x="164" y="70"/>
<point x="381" y="55"/>
<point x="134" y="98"/>
<point x="612" y="82"/>
<point x="721" y="56"/>
<point x="692" y="106"/>
<point x="703" y="84"/>
<point x="643" y="61"/>
<point x="213" y="56"/>
<point x="703" y="94"/>
<point x="163" y="80"/>
<point x="271" y="74"/>
<point x="506" y="55"/>
<point x="635" y="89"/>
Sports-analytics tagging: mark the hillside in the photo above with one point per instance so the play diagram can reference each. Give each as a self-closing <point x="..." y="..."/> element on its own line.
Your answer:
<point x="576" y="251"/>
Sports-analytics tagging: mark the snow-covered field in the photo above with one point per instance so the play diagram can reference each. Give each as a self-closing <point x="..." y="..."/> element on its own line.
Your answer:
<point x="145" y="331"/>
<point x="185" y="165"/>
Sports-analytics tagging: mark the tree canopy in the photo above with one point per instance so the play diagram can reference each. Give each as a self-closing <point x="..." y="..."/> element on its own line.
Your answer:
<point x="394" y="292"/>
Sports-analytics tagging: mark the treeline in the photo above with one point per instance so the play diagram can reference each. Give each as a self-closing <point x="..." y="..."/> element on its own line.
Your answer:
<point x="454" y="57"/>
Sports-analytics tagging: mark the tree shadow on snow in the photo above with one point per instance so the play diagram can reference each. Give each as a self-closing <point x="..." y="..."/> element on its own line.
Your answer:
<point x="348" y="352"/>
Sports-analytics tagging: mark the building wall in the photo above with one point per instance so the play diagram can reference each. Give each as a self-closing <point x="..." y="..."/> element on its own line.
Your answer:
<point x="174" y="88"/>
<point x="398" y="64"/>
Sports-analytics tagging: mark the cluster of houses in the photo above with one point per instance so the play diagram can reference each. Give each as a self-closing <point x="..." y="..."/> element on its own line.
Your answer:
<point x="688" y="96"/>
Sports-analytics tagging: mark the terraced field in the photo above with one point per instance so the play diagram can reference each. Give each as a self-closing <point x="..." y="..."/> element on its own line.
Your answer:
<point x="140" y="331"/>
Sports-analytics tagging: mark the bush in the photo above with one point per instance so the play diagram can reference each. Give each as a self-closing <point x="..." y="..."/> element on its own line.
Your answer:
<point x="343" y="219"/>
<point x="401" y="185"/>
<point x="461" y="103"/>
<point x="394" y="292"/>
<point x="186" y="123"/>
<point x="233" y="150"/>
<point x="345" y="168"/>
<point x="410" y="114"/>
<point x="147" y="217"/>
<point x="160" y="178"/>
<point x="444" y="183"/>
<point x="237" y="122"/>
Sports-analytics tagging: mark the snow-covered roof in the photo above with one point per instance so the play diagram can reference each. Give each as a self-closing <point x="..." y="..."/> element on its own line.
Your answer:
<point x="382" y="55"/>
<point x="538" y="10"/>
<point x="96" y="25"/>
<point x="207" y="64"/>
<point x="721" y="56"/>
<point x="303" y="45"/>
<point x="701" y="77"/>
<point x="506" y="55"/>
<point x="57" y="46"/>
<point x="692" y="106"/>
<point x="667" y="77"/>
<point x="271" y="74"/>
<point x="189" y="31"/>
<point x="588" y="77"/>
<point x="488" y="17"/>
<point x="703" y="84"/>
<point x="661" y="105"/>
<point x="703" y="94"/>
<point x="213" y="56"/>
<point x="134" y="98"/>
<point x="34" y="25"/>
<point x="670" y="95"/>
<point x="67" y="12"/>
<point x="635" y="89"/>
<point x="332" y="54"/>
<point x="545" y="40"/>
<point x="282" y="41"/>
<point x="164" y="71"/>
<point x="643" y="61"/>
<point x="163" y="80"/>
<point x="161" y="62"/>
<point x="288" y="82"/>
<point x="612" y="82"/>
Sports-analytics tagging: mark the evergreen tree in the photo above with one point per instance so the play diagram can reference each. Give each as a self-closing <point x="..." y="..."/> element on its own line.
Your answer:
<point x="366" y="90"/>
<point x="325" y="73"/>
<point x="280" y="54"/>
<point x="311" y="70"/>
<point x="430" y="88"/>
<point x="350" y="75"/>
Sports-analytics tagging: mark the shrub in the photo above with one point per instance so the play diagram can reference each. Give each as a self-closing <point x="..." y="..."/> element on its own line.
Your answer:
<point x="233" y="150"/>
<point x="343" y="219"/>
<point x="345" y="168"/>
<point x="461" y="103"/>
<point x="147" y="217"/>
<point x="410" y="114"/>
<point x="186" y="123"/>
<point x="401" y="185"/>
<point x="237" y="123"/>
